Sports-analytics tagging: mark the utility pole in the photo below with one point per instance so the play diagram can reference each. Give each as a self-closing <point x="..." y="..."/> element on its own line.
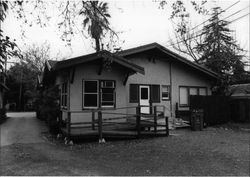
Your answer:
<point x="20" y="90"/>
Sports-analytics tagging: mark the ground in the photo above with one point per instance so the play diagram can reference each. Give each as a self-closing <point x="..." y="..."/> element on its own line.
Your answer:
<point x="221" y="150"/>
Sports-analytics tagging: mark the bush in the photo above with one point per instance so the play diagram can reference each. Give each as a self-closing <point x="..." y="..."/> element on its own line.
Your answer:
<point x="2" y="114"/>
<point x="48" y="108"/>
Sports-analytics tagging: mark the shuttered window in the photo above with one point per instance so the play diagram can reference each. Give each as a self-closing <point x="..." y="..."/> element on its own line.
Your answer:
<point x="155" y="93"/>
<point x="134" y="93"/>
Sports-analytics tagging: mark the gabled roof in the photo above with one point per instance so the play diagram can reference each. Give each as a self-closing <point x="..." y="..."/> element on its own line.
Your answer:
<point x="239" y="90"/>
<point x="95" y="56"/>
<point x="175" y="56"/>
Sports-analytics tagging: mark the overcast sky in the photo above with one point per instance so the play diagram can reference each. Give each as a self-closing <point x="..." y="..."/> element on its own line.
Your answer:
<point x="141" y="22"/>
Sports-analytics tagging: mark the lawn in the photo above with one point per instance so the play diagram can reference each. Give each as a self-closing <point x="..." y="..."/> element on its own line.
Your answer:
<point x="221" y="150"/>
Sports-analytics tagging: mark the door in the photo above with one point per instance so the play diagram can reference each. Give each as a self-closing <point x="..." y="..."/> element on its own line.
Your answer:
<point x="144" y="99"/>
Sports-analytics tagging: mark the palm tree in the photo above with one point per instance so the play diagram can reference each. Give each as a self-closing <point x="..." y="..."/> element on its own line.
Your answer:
<point x="96" y="20"/>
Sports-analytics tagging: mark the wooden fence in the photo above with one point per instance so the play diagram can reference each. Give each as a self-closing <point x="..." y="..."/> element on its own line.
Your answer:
<point x="216" y="108"/>
<point x="240" y="110"/>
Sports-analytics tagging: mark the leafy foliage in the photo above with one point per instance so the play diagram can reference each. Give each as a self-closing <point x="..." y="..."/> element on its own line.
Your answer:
<point x="96" y="20"/>
<point x="220" y="52"/>
<point x="22" y="77"/>
<point x="48" y="107"/>
<point x="8" y="48"/>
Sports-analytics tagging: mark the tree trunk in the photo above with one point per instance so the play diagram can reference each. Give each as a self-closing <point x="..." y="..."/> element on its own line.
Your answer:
<point x="97" y="45"/>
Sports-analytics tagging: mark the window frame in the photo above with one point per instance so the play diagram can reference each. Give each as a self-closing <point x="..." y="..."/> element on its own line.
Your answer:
<point x="64" y="95"/>
<point x="169" y="93"/>
<point x="96" y="93"/>
<point x="100" y="94"/>
<point x="188" y="89"/>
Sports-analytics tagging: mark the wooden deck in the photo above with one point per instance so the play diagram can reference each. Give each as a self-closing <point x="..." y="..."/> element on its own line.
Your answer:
<point x="133" y="125"/>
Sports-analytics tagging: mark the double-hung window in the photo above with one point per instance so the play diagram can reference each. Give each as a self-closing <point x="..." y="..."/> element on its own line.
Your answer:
<point x="185" y="92"/>
<point x="165" y="92"/>
<point x="64" y="95"/>
<point x="107" y="93"/>
<point x="98" y="94"/>
<point x="90" y="93"/>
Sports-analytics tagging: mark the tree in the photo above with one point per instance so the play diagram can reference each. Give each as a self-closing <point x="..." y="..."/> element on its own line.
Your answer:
<point x="96" y="20"/>
<point x="219" y="51"/>
<point x="8" y="48"/>
<point x="185" y="37"/>
<point x="22" y="77"/>
<point x="74" y="16"/>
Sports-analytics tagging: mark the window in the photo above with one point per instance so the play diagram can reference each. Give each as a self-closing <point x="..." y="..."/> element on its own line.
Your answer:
<point x="184" y="96"/>
<point x="64" y="95"/>
<point x="193" y="91"/>
<point x="165" y="92"/>
<point x="185" y="92"/>
<point x="144" y="93"/>
<point x="203" y="91"/>
<point x="107" y="94"/>
<point x="98" y="94"/>
<point x="90" y="94"/>
<point x="155" y="93"/>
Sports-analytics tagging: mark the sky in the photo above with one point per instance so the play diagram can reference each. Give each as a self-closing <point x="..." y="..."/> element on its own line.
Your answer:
<point x="138" y="22"/>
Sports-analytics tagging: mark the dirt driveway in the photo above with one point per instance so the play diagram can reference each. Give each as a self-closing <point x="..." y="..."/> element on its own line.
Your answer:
<point x="214" y="151"/>
<point x="22" y="127"/>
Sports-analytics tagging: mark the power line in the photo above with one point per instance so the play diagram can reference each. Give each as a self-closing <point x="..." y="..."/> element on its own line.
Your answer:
<point x="236" y="12"/>
<point x="216" y="14"/>
<point x="218" y="21"/>
<point x="239" y="18"/>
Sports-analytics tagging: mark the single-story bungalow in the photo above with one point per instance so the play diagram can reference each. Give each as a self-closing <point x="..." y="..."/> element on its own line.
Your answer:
<point x="148" y="75"/>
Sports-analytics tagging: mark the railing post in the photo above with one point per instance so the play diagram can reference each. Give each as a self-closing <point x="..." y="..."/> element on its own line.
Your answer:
<point x="155" y="119"/>
<point x="68" y="123"/>
<point x="100" y="125"/>
<point x="167" y="129"/>
<point x="138" y="121"/>
<point x="93" y="120"/>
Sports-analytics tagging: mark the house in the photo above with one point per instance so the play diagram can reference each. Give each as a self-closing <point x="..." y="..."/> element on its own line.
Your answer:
<point x="148" y="75"/>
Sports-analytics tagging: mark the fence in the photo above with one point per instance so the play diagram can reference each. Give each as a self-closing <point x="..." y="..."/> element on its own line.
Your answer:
<point x="216" y="108"/>
<point x="119" y="123"/>
<point x="240" y="110"/>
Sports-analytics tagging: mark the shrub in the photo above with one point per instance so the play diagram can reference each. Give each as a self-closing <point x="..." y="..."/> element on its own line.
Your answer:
<point x="48" y="109"/>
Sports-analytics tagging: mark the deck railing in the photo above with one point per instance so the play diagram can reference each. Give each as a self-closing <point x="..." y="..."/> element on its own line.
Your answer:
<point x="114" y="119"/>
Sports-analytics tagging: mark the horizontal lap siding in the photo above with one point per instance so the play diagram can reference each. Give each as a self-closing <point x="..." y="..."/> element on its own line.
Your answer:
<point x="156" y="72"/>
<point x="185" y="76"/>
<point x="90" y="72"/>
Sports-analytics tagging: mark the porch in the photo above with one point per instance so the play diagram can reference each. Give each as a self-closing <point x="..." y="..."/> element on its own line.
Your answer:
<point x="113" y="124"/>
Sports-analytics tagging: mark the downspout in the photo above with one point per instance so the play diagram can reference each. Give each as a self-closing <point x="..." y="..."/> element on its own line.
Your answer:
<point x="170" y="74"/>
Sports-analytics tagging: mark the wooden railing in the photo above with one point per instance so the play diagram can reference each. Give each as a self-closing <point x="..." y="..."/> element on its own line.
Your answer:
<point x="101" y="122"/>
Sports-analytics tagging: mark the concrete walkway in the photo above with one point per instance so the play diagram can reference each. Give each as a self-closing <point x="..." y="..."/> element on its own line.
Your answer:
<point x="21" y="127"/>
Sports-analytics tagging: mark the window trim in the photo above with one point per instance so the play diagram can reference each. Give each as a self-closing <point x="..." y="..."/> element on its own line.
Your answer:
<point x="64" y="95"/>
<point x="99" y="101"/>
<point x="169" y="93"/>
<point x="114" y="94"/>
<point x="188" y="88"/>
<point x="83" y="93"/>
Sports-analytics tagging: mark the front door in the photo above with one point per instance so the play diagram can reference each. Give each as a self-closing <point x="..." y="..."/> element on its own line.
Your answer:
<point x="144" y="99"/>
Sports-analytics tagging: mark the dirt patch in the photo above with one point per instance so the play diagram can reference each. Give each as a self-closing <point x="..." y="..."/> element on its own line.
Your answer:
<point x="214" y="151"/>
